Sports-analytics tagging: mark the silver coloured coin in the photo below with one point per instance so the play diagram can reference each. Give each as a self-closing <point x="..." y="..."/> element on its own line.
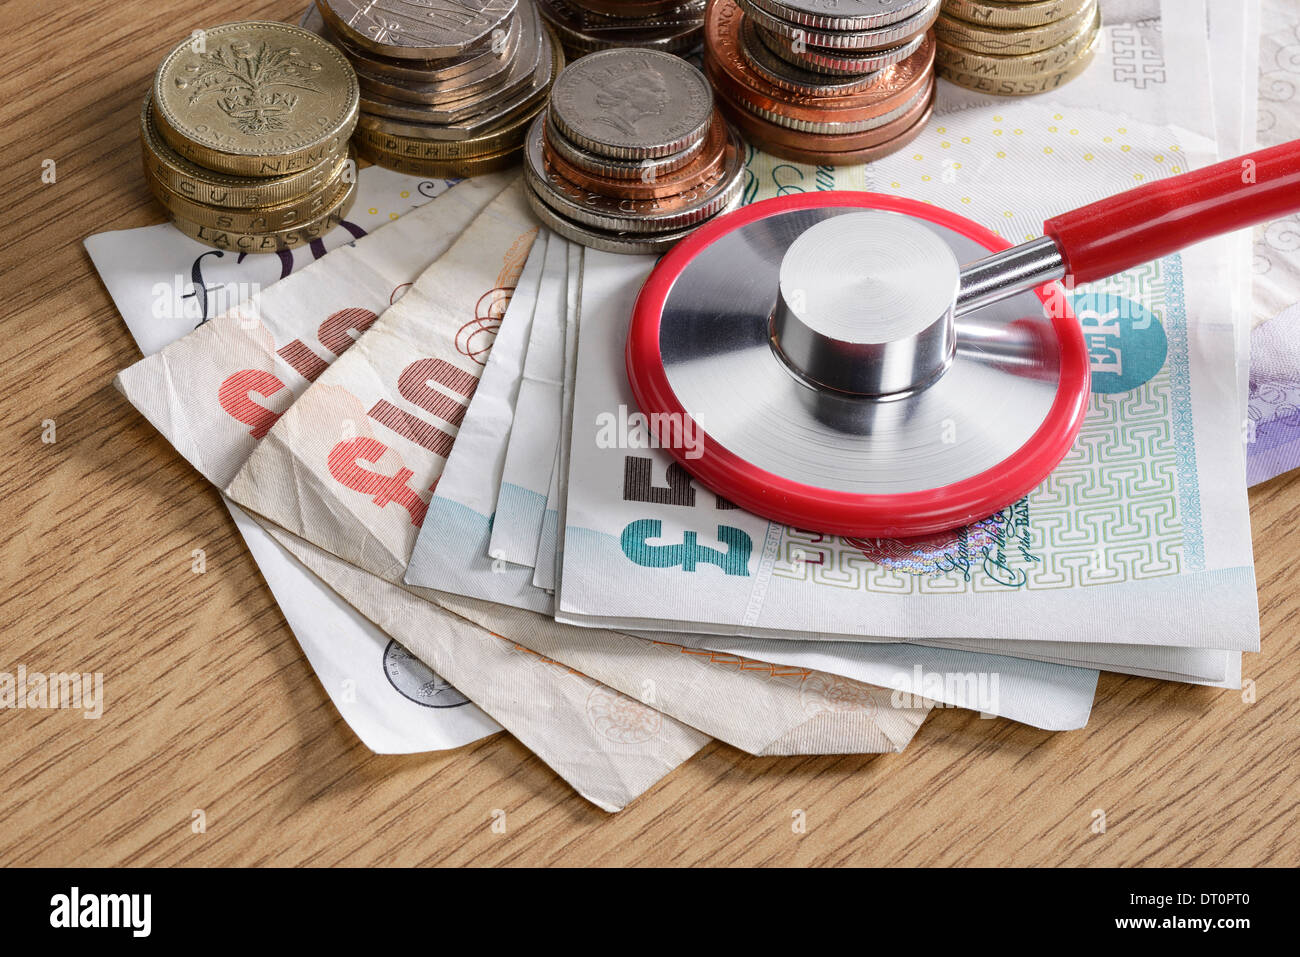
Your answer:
<point x="633" y="215"/>
<point x="480" y="124"/>
<point x="877" y="39"/>
<point x="501" y="85"/>
<point x="787" y="76"/>
<point x="421" y="71"/>
<point x="417" y="29"/>
<point x="843" y="14"/>
<point x="605" y="240"/>
<point x="632" y="103"/>
<point x="532" y="58"/>
<point x="494" y="73"/>
<point x="643" y="169"/>
<point x="845" y="63"/>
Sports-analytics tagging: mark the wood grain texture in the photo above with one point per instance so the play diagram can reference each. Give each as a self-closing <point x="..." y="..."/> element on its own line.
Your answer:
<point x="211" y="705"/>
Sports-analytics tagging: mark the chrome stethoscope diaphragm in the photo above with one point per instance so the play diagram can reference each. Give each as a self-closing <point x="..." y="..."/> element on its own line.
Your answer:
<point x="847" y="375"/>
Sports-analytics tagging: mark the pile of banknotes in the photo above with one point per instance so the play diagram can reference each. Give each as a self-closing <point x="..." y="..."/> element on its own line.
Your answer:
<point x="428" y="440"/>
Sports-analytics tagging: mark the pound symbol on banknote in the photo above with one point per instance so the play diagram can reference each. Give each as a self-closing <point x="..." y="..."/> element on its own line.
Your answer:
<point x="345" y="465"/>
<point x="198" y="289"/>
<point x="636" y="545"/>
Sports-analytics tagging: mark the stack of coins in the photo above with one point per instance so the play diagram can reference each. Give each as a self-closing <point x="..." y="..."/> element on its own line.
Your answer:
<point x="448" y="87"/>
<point x="817" y="83"/>
<point x="631" y="156"/>
<point x="245" y="136"/>
<point x="1016" y="48"/>
<point x="585" y="26"/>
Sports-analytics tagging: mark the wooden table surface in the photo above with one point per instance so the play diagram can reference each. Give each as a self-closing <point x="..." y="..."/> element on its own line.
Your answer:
<point x="211" y="704"/>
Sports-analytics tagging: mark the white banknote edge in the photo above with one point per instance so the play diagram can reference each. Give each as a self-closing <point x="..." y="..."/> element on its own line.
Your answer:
<point x="344" y="648"/>
<point x="530" y="452"/>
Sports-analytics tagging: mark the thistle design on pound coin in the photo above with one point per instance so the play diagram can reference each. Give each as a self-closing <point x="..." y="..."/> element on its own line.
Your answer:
<point x="256" y="84"/>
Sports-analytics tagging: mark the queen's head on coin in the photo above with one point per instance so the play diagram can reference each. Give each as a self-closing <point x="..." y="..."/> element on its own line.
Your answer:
<point x="627" y="99"/>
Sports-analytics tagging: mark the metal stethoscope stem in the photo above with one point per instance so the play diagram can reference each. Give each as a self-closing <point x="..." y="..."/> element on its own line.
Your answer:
<point x="1008" y="273"/>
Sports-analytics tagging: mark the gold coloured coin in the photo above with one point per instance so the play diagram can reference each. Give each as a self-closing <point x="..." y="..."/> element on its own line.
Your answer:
<point x="507" y="134"/>
<point x="1001" y="13"/>
<point x="1023" y="85"/>
<point x="254" y="219"/>
<point x="272" y="242"/>
<point x="1029" y="64"/>
<point x="202" y="185"/>
<point x="1011" y="41"/>
<point x="441" y="168"/>
<point x="255" y="98"/>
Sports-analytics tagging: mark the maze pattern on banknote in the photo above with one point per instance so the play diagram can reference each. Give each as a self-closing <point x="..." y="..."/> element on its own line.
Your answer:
<point x="1122" y="506"/>
<point x="1137" y="59"/>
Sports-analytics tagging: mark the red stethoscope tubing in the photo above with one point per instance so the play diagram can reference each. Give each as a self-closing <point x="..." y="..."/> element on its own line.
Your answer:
<point x="1137" y="226"/>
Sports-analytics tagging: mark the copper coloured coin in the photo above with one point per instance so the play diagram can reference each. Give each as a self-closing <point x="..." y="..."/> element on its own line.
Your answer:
<point x="733" y="75"/>
<point x="703" y="168"/>
<point x="755" y="126"/>
<point x="866" y="133"/>
<point x="660" y="214"/>
<point x="817" y="150"/>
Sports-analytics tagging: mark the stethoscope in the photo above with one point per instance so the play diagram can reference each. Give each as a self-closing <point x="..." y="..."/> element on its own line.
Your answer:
<point x="823" y="359"/>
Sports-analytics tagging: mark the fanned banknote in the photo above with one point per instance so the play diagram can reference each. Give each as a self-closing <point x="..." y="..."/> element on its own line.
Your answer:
<point x="546" y="561"/>
<point x="324" y="440"/>
<point x="216" y="394"/>
<point x="534" y="428"/>
<point x="165" y="285"/>
<point x="327" y="474"/>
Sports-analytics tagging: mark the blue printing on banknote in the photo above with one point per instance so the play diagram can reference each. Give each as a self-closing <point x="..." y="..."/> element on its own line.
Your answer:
<point x="458" y="560"/>
<point x="1189" y="486"/>
<point x="521" y="508"/>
